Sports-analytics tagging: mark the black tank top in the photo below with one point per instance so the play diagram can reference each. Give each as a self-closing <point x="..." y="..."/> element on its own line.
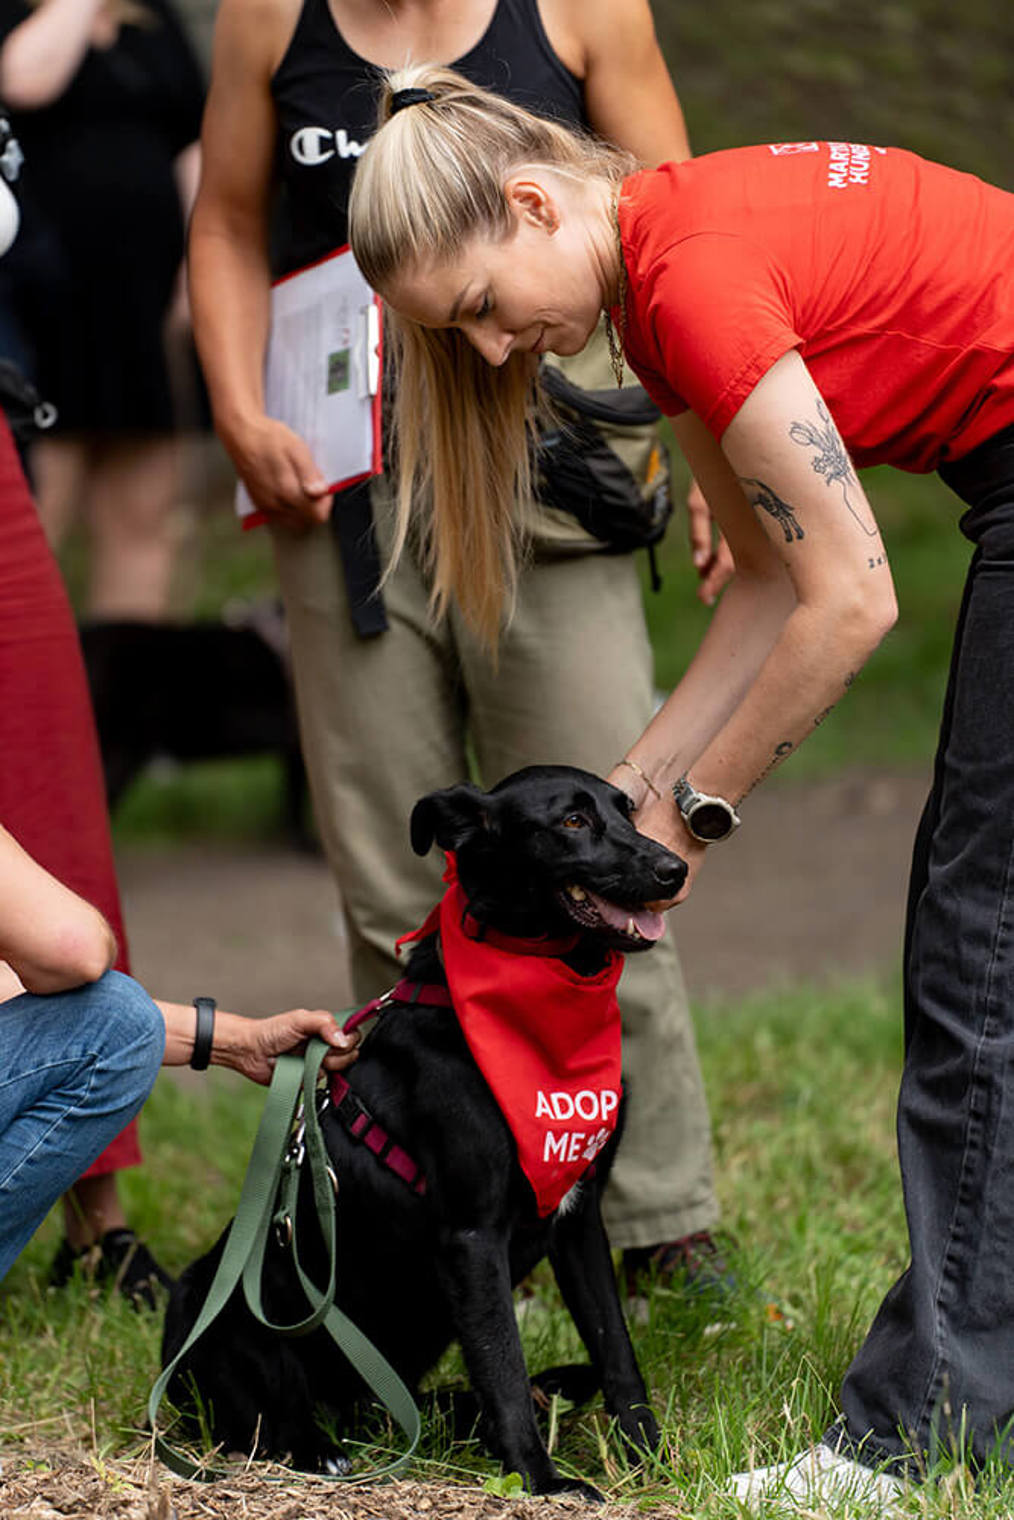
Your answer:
<point x="326" y="102"/>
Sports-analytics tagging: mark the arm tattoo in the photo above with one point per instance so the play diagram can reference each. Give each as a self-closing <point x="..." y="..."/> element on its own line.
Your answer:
<point x="818" y="720"/>
<point x="760" y="495"/>
<point x="781" y="750"/>
<point x="831" y="461"/>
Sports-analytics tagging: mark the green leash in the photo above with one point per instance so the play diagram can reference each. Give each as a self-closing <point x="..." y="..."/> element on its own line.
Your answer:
<point x="289" y="1129"/>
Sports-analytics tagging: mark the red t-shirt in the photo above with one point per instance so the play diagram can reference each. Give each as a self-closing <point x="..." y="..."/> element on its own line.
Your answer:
<point x="892" y="276"/>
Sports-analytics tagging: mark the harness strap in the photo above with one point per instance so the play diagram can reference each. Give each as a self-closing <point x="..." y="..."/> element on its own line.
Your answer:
<point x="361" y="1125"/>
<point x="435" y="994"/>
<point x="350" y="1109"/>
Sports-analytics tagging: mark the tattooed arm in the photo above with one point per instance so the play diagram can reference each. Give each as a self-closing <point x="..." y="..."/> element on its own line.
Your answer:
<point x="811" y="600"/>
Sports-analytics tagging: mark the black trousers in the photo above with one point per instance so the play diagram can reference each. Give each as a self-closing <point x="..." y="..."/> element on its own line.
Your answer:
<point x="937" y="1367"/>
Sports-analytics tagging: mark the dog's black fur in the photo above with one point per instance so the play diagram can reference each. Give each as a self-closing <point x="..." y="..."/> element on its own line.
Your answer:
<point x="195" y="691"/>
<point x="416" y="1272"/>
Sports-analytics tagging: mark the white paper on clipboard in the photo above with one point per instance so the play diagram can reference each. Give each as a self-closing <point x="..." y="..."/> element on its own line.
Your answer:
<point x="322" y="372"/>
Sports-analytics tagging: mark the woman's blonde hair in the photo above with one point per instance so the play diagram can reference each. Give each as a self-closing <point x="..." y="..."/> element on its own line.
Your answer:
<point x="431" y="179"/>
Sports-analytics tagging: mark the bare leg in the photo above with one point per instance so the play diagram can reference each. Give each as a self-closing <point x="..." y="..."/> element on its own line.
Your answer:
<point x="132" y="490"/>
<point x="91" y="1208"/>
<point x="60" y="467"/>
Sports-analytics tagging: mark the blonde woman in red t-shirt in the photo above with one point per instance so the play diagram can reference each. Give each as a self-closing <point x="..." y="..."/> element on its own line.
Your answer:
<point x="798" y="309"/>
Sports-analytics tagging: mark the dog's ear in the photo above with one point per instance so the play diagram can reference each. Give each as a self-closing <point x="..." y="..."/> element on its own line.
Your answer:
<point x="448" y="817"/>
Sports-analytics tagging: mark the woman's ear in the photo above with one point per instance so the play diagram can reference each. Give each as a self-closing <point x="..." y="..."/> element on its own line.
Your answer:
<point x="532" y="202"/>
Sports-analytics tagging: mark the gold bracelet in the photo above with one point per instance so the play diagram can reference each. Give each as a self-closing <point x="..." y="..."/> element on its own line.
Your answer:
<point x="638" y="772"/>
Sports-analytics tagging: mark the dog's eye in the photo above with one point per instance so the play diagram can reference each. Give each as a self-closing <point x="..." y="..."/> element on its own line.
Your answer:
<point x="576" y="821"/>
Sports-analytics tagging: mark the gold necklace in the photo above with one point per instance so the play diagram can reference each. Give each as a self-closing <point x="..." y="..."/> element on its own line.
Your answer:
<point x="615" y="335"/>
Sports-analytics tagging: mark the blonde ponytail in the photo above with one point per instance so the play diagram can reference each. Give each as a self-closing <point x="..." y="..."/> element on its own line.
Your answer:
<point x="431" y="179"/>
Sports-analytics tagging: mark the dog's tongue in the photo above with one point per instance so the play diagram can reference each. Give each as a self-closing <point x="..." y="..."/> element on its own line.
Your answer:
<point x="649" y="925"/>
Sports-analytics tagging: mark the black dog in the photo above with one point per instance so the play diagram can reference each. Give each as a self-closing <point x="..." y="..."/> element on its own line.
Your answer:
<point x="550" y="851"/>
<point x="195" y="691"/>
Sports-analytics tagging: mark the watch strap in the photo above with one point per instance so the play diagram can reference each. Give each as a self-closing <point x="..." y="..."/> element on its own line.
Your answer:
<point x="204" y="1033"/>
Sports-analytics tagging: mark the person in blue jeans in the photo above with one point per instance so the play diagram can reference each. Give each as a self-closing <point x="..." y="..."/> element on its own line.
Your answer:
<point x="83" y="1043"/>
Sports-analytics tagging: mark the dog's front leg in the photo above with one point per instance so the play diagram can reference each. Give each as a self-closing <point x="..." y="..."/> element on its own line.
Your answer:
<point x="475" y="1276"/>
<point x="579" y="1252"/>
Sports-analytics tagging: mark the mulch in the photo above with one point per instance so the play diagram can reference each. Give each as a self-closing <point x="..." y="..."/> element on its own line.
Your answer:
<point x="69" y="1482"/>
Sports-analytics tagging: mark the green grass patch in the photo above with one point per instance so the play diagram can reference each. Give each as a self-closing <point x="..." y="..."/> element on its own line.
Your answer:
<point x="802" y="1086"/>
<point x="215" y="801"/>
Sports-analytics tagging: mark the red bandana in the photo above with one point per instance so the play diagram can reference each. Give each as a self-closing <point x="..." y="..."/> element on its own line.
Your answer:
<point x="546" y="1039"/>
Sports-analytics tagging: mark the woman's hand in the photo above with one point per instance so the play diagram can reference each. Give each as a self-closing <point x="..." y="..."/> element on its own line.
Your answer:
<point x="659" y="818"/>
<point x="251" y="1046"/>
<point x="663" y="822"/>
<point x="280" y="473"/>
<point x="711" y="555"/>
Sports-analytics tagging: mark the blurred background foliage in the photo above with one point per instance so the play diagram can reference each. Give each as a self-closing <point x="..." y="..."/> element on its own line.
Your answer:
<point x="929" y="75"/>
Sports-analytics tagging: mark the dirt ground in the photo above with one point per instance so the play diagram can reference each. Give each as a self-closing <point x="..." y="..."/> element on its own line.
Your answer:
<point x="61" y="1484"/>
<point x="811" y="888"/>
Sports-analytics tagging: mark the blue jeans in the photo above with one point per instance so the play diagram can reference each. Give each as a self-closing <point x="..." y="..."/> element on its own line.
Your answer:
<point x="939" y="1357"/>
<point x="75" y="1067"/>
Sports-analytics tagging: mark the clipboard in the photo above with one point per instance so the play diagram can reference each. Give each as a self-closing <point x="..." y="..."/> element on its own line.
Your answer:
<point x="322" y="371"/>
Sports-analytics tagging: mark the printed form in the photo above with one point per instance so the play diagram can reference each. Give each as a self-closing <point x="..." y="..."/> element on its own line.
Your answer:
<point x="322" y="373"/>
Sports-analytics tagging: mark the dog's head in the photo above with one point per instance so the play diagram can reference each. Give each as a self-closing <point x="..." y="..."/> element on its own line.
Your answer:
<point x="551" y="849"/>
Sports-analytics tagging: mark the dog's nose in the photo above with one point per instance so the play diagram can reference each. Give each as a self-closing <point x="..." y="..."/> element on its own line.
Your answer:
<point x="671" y="873"/>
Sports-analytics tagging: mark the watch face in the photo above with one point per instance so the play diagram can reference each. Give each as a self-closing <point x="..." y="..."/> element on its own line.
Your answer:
<point x="710" y="821"/>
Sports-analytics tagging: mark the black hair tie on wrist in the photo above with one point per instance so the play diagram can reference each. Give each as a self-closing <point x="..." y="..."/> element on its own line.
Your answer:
<point x="413" y="97"/>
<point x="204" y="1033"/>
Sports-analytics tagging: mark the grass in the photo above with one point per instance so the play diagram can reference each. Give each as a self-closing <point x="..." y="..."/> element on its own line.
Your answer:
<point x="802" y="1087"/>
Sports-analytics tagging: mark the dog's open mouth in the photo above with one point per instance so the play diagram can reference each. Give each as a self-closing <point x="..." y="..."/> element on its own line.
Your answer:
<point x="635" y="925"/>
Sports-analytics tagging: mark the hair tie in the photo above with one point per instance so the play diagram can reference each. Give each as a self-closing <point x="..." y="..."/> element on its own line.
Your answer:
<point x="413" y="97"/>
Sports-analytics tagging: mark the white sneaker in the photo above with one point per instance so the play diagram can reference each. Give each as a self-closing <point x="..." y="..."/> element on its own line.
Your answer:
<point x="818" y="1476"/>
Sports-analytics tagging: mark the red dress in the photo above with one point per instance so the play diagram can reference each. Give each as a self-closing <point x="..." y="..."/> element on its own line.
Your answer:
<point x="52" y="795"/>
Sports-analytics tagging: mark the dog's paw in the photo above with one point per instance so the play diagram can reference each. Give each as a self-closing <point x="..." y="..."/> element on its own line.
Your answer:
<point x="560" y="1485"/>
<point x="334" y="1463"/>
<point x="639" y="1429"/>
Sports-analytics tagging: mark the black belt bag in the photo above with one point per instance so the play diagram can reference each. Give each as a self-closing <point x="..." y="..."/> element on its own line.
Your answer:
<point x="602" y="461"/>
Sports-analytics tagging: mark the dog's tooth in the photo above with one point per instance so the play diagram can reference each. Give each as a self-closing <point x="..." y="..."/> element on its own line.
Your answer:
<point x="631" y="926"/>
<point x="578" y="894"/>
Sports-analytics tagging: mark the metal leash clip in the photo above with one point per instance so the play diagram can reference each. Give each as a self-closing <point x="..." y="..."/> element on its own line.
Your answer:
<point x="292" y="1160"/>
<point x="295" y="1151"/>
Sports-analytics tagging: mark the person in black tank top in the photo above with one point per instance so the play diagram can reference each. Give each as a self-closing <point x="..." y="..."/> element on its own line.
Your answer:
<point x="325" y="99"/>
<point x="388" y="718"/>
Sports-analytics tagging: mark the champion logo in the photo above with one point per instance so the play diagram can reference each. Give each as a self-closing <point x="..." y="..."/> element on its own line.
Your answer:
<point x="310" y="146"/>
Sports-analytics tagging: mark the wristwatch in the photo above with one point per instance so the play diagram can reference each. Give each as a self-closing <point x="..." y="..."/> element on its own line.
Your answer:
<point x="708" y="819"/>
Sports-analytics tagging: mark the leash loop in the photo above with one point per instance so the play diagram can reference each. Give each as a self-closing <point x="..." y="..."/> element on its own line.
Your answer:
<point x="268" y="1198"/>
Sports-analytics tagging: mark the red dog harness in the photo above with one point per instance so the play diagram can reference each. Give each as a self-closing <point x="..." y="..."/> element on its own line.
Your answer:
<point x="354" y="1114"/>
